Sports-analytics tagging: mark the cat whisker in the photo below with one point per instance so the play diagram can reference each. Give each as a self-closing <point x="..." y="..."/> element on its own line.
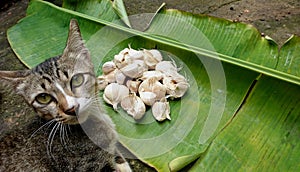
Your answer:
<point x="49" y="123"/>
<point x="64" y="136"/>
<point x="61" y="134"/>
<point x="69" y="130"/>
<point x="50" y="139"/>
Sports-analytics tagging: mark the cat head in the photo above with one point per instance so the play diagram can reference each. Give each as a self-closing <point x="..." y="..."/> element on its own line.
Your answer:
<point x="61" y="87"/>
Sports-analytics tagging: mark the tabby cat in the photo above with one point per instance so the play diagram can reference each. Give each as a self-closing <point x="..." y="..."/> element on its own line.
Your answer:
<point x="63" y="90"/>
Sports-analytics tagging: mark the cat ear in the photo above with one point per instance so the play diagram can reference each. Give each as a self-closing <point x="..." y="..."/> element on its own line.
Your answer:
<point x="14" y="79"/>
<point x="75" y="45"/>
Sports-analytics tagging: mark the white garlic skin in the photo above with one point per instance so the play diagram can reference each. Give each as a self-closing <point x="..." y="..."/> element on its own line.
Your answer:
<point x="114" y="93"/>
<point x="119" y="59"/>
<point x="120" y="77"/>
<point x="148" y="98"/>
<point x="108" y="67"/>
<point x="161" y="110"/>
<point x="133" y="86"/>
<point x="101" y="82"/>
<point x="135" y="69"/>
<point x="167" y="67"/>
<point x="152" y="57"/>
<point x="176" y="85"/>
<point x="154" y="86"/>
<point x="152" y="74"/>
<point x="134" y="106"/>
<point x="136" y="54"/>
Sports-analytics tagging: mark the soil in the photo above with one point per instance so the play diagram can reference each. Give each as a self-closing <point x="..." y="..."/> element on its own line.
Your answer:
<point x="275" y="18"/>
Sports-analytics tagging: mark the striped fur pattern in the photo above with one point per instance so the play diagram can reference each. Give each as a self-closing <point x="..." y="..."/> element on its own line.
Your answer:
<point x="62" y="89"/>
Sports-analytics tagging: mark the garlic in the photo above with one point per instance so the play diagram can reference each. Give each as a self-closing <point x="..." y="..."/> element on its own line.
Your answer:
<point x="161" y="110"/>
<point x="135" y="54"/>
<point x="101" y="82"/>
<point x="176" y="85"/>
<point x="134" y="106"/>
<point x="138" y="78"/>
<point x="119" y="59"/>
<point x="148" y="97"/>
<point x="134" y="70"/>
<point x="152" y="57"/>
<point x="111" y="77"/>
<point x="108" y="67"/>
<point x="152" y="73"/>
<point x="133" y="85"/>
<point x="124" y="51"/>
<point x="154" y="86"/>
<point x="120" y="77"/>
<point x="104" y="80"/>
<point x="166" y="67"/>
<point x="114" y="93"/>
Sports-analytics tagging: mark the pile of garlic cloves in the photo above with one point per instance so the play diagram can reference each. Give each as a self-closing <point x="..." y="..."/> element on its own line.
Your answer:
<point x="139" y="78"/>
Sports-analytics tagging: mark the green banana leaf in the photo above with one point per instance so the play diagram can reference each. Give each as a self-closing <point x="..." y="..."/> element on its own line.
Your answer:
<point x="226" y="120"/>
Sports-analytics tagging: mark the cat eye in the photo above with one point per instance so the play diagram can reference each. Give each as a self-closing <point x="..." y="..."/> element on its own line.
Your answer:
<point x="77" y="80"/>
<point x="43" y="98"/>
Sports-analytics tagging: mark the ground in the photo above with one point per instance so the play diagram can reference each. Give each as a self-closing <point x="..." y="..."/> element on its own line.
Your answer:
<point x="275" y="18"/>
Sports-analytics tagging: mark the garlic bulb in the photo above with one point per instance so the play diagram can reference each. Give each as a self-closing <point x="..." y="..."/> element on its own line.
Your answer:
<point x="152" y="57"/>
<point x="114" y="93"/>
<point x="134" y="106"/>
<point x="154" y="86"/>
<point x="161" y="110"/>
<point x="108" y="67"/>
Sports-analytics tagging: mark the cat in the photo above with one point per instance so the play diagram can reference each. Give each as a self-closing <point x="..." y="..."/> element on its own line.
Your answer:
<point x="63" y="91"/>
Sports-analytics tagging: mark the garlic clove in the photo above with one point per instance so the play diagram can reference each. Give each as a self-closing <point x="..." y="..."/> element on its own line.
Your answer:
<point x="110" y="77"/>
<point x="134" y="106"/>
<point x="134" y="70"/>
<point x="133" y="85"/>
<point x="124" y="51"/>
<point x="179" y="91"/>
<point x="136" y="54"/>
<point x="161" y="110"/>
<point x="154" y="86"/>
<point x="148" y="98"/>
<point x="101" y="82"/>
<point x="152" y="74"/>
<point x="166" y="67"/>
<point x="106" y="79"/>
<point x="152" y="57"/>
<point x="119" y="59"/>
<point x="114" y="93"/>
<point x="108" y="67"/>
<point x="156" y="54"/>
<point x="120" y="77"/>
<point x="176" y="86"/>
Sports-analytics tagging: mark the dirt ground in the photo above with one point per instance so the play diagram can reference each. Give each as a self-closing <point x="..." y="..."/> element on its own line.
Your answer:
<point x="275" y="18"/>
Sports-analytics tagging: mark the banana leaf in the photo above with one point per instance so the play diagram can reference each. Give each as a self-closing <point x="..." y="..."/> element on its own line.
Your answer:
<point x="227" y="118"/>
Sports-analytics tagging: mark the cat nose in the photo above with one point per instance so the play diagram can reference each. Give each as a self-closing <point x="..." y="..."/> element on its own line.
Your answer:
<point x="72" y="111"/>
